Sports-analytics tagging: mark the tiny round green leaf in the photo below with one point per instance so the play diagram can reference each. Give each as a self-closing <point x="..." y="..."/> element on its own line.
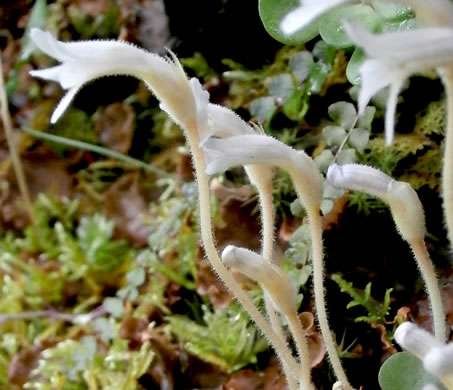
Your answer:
<point x="272" y="13"/>
<point x="404" y="371"/>
<point x="331" y="25"/>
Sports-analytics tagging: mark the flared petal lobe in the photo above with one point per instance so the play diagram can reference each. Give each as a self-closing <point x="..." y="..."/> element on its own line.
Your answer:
<point x="84" y="61"/>
<point x="308" y="11"/>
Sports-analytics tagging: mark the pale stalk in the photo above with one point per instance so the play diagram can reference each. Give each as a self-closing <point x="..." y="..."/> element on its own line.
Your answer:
<point x="447" y="380"/>
<point x="302" y="349"/>
<point x="320" y="303"/>
<point x="264" y="188"/>
<point x="15" y="159"/>
<point x="211" y="253"/>
<point x="425" y="265"/>
<point x="315" y="222"/>
<point x="447" y="170"/>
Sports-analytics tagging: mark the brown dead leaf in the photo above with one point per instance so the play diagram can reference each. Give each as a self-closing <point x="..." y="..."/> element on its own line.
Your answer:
<point x="316" y="347"/>
<point x="115" y="127"/>
<point x="44" y="173"/>
<point x="332" y="219"/>
<point x="133" y="329"/>
<point x="269" y="379"/>
<point x="207" y="283"/>
<point x="125" y="204"/>
<point x="23" y="363"/>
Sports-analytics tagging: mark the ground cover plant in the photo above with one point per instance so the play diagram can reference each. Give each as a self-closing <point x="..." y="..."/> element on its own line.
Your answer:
<point x="136" y="253"/>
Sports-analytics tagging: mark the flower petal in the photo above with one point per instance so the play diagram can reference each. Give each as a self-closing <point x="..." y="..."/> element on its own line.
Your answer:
<point x="375" y="75"/>
<point x="222" y="154"/>
<point x="308" y="11"/>
<point x="390" y="110"/>
<point x="359" y="177"/>
<point x="64" y="104"/>
<point x="201" y="102"/>
<point x="88" y="60"/>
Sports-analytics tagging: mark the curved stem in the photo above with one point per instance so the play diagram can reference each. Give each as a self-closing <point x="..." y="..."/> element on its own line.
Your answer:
<point x="315" y="222"/>
<point x="264" y="188"/>
<point x="432" y="286"/>
<point x="15" y="159"/>
<point x="302" y="349"/>
<point x="211" y="252"/>
<point x="447" y="170"/>
<point x="320" y="303"/>
<point x="448" y="381"/>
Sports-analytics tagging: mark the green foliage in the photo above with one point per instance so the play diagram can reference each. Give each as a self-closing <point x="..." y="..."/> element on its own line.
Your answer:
<point x="376" y="16"/>
<point x="103" y="25"/>
<point x="366" y="204"/>
<point x="376" y="311"/>
<point x="298" y="257"/>
<point x="227" y="339"/>
<point x="74" y="365"/>
<point x="404" y="371"/>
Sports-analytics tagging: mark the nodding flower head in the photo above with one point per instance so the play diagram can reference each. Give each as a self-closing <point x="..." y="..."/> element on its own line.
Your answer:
<point x="395" y="56"/>
<point x="274" y="282"/>
<point x="250" y="149"/>
<point x="404" y="203"/>
<point x="432" y="12"/>
<point x="308" y="11"/>
<point x="436" y="356"/>
<point x="82" y="62"/>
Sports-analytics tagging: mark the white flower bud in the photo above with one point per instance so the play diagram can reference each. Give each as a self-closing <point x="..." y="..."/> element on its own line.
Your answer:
<point x="274" y="282"/>
<point x="416" y="340"/>
<point x="402" y="199"/>
<point x="439" y="360"/>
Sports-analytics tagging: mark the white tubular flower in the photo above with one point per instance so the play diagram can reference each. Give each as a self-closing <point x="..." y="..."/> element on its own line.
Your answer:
<point x="222" y="154"/>
<point x="308" y="11"/>
<point x="402" y="199"/>
<point x="439" y="360"/>
<point x="393" y="57"/>
<point x="415" y="340"/>
<point x="274" y="282"/>
<point x="82" y="62"/>
<point x="430" y="387"/>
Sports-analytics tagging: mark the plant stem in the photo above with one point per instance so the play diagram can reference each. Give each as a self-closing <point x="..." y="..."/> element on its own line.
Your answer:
<point x="447" y="170"/>
<point x="432" y="286"/>
<point x="448" y="381"/>
<point x="302" y="348"/>
<point x="263" y="184"/>
<point x="315" y="222"/>
<point x="211" y="253"/>
<point x="15" y="159"/>
<point x="320" y="304"/>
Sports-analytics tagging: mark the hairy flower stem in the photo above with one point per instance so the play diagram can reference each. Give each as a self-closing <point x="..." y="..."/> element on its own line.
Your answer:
<point x="211" y="253"/>
<point x="315" y="222"/>
<point x="320" y="303"/>
<point x="15" y="159"/>
<point x="302" y="349"/>
<point x="448" y="381"/>
<point x="263" y="184"/>
<point x="432" y="286"/>
<point x="447" y="171"/>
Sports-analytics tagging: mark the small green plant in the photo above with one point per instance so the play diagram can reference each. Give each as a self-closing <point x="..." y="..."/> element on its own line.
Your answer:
<point x="226" y="339"/>
<point x="376" y="311"/>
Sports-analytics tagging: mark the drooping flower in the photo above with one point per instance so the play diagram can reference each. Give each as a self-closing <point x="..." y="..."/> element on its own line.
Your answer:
<point x="250" y="149"/>
<point x="82" y="62"/>
<point x="404" y="203"/>
<point x="437" y="357"/>
<point x="393" y="57"/>
<point x="432" y="12"/>
<point x="308" y="11"/>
